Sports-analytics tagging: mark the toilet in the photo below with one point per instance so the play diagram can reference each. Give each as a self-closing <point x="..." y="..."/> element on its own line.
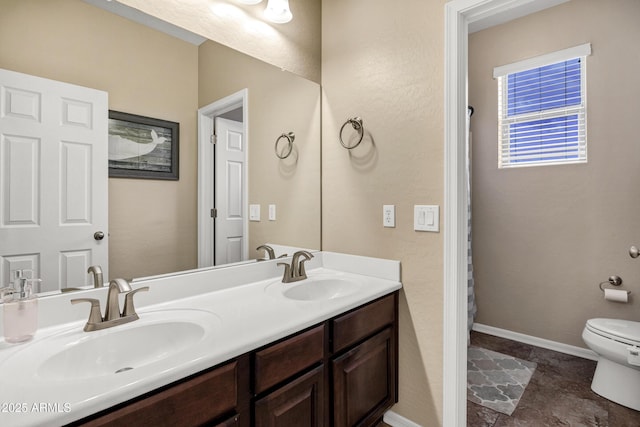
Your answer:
<point x="617" y="344"/>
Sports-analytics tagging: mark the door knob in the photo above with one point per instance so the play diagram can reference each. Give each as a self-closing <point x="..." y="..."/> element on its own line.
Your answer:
<point x="98" y="235"/>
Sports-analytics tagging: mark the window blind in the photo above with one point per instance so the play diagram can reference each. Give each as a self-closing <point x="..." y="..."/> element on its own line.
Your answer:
<point x="542" y="115"/>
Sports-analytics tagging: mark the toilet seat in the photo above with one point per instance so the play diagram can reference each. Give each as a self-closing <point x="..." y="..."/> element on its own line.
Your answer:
<point x="624" y="331"/>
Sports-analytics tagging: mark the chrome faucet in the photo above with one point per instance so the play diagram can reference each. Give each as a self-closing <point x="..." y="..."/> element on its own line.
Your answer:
<point x="98" y="281"/>
<point x="296" y="271"/>
<point x="112" y="314"/>
<point x="116" y="286"/>
<point x="97" y="276"/>
<point x="270" y="252"/>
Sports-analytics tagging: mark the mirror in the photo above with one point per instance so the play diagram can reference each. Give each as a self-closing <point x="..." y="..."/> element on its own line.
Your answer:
<point x="152" y="223"/>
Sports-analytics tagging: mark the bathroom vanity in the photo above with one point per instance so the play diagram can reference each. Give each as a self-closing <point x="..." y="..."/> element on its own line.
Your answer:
<point x="341" y="372"/>
<point x="225" y="347"/>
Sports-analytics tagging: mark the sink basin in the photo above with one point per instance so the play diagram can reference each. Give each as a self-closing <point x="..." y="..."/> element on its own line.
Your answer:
<point x="79" y="355"/>
<point x="120" y="351"/>
<point x="316" y="288"/>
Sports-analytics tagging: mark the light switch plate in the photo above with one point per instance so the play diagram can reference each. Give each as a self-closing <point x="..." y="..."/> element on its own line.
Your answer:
<point x="272" y="212"/>
<point x="254" y="212"/>
<point x="389" y="216"/>
<point x="426" y="218"/>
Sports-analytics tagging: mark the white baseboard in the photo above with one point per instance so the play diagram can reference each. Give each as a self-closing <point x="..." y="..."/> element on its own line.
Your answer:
<point x="395" y="420"/>
<point x="538" y="342"/>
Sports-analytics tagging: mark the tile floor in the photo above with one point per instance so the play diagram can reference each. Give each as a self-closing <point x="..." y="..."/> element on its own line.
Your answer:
<point x="559" y="393"/>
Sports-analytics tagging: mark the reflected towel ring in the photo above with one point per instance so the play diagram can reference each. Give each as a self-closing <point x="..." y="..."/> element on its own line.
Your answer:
<point x="290" y="137"/>
<point x="356" y="123"/>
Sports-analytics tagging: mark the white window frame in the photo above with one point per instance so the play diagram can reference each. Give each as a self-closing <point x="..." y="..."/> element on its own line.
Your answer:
<point x="505" y="158"/>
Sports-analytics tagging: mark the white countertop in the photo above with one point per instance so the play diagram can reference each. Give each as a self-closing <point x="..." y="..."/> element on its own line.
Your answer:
<point x="249" y="313"/>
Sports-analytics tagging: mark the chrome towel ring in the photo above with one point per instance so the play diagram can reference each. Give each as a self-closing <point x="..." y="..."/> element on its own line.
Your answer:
<point x="356" y="123"/>
<point x="290" y="137"/>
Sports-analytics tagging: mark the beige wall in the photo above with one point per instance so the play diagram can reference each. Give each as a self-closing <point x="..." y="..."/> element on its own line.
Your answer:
<point x="279" y="102"/>
<point x="380" y="61"/>
<point x="384" y="62"/>
<point x="545" y="237"/>
<point x="152" y="224"/>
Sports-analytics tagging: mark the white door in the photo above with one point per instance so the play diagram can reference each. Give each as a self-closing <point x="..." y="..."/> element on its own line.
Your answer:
<point x="230" y="192"/>
<point x="53" y="180"/>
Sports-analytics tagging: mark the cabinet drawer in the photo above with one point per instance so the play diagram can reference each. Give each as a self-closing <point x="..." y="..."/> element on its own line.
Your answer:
<point x="193" y="402"/>
<point x="358" y="324"/>
<point x="287" y="358"/>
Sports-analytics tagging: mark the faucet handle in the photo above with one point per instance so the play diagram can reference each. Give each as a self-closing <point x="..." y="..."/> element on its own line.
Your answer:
<point x="129" y="309"/>
<point x="95" y="316"/>
<point x="298" y="264"/>
<point x="286" y="277"/>
<point x="301" y="271"/>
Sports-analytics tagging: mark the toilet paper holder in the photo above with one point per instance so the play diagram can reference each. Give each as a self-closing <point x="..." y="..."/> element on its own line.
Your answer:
<point x="613" y="281"/>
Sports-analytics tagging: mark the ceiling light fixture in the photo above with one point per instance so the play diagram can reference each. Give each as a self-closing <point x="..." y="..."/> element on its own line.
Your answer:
<point x="278" y="11"/>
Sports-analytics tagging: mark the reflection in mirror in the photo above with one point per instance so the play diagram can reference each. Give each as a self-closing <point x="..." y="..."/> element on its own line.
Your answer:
<point x="274" y="102"/>
<point x="152" y="225"/>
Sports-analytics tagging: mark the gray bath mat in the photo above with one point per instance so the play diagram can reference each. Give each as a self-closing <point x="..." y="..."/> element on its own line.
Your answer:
<point x="495" y="380"/>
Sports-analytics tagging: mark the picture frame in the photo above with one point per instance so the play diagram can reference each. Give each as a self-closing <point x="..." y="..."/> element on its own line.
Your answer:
<point x="143" y="147"/>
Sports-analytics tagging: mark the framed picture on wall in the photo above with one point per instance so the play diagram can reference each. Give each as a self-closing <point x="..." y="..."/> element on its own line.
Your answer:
<point x="142" y="147"/>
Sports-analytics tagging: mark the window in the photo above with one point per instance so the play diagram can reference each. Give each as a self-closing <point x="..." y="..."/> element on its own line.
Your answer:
<point x="542" y="110"/>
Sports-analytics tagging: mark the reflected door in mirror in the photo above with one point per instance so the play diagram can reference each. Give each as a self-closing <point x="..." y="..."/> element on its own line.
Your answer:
<point x="230" y="187"/>
<point x="53" y="180"/>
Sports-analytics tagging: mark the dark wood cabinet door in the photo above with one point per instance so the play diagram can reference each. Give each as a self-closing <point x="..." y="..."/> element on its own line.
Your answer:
<point x="299" y="403"/>
<point x="191" y="403"/>
<point x="364" y="381"/>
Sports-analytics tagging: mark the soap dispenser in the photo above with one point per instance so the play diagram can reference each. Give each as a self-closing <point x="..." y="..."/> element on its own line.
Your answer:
<point x="20" y="309"/>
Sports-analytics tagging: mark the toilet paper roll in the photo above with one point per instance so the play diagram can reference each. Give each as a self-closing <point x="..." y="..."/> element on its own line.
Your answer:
<point x="616" y="295"/>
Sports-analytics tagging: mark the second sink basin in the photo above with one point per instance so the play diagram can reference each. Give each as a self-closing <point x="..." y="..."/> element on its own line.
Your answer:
<point x="316" y="288"/>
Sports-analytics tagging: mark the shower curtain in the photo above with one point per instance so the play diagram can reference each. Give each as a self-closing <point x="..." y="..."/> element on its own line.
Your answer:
<point x="471" y="300"/>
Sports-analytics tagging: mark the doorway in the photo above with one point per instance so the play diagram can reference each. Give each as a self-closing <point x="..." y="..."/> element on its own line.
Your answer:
<point x="459" y="15"/>
<point x="222" y="181"/>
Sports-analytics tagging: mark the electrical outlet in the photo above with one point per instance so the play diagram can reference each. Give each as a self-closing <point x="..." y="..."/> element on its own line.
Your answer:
<point x="272" y="212"/>
<point x="389" y="216"/>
